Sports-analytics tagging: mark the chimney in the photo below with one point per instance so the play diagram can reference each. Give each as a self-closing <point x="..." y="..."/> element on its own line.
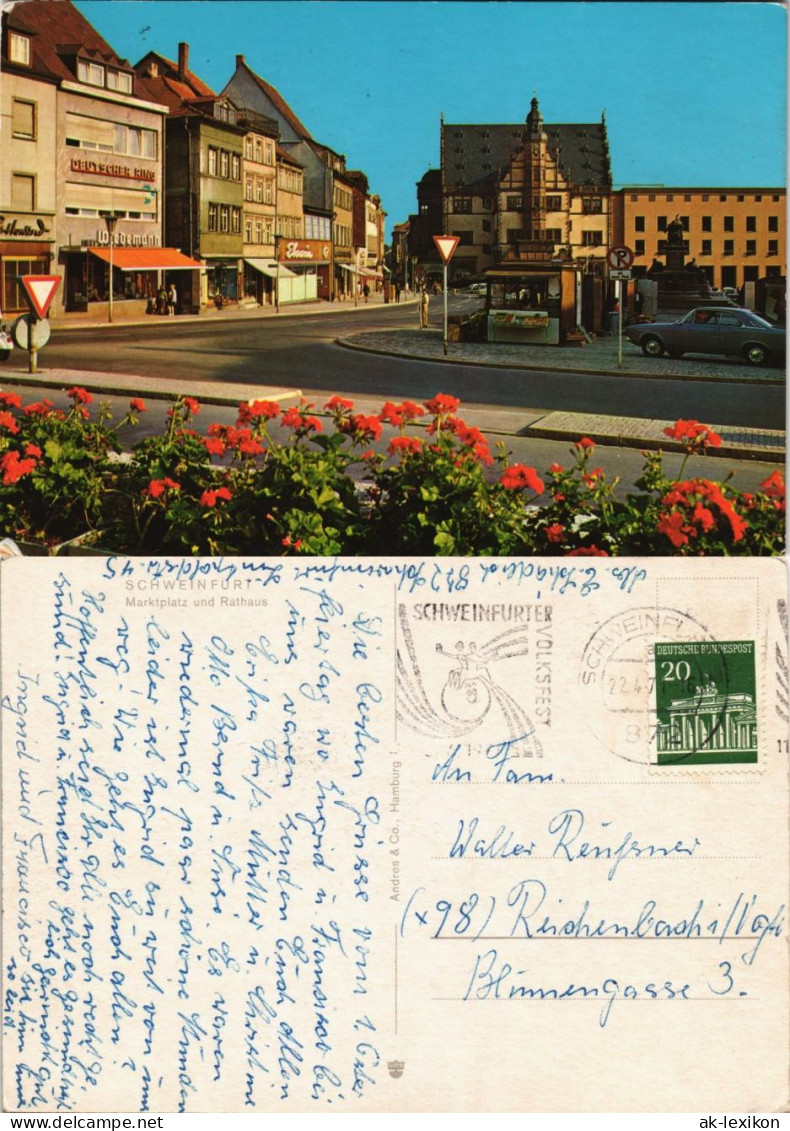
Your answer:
<point x="239" y="61"/>
<point x="183" y="59"/>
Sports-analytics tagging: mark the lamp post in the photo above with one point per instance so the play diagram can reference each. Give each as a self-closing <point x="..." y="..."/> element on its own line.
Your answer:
<point x="277" y="238"/>
<point x="110" y="220"/>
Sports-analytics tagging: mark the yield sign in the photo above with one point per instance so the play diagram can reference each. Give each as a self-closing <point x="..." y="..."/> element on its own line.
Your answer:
<point x="40" y="291"/>
<point x="446" y="246"/>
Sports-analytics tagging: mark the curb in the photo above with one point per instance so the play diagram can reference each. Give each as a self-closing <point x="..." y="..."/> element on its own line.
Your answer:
<point x="606" y="439"/>
<point x="110" y="390"/>
<point x="347" y="343"/>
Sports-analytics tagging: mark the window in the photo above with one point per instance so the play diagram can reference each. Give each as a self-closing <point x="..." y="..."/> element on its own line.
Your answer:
<point x="592" y="204"/>
<point x="224" y="163"/>
<point x="729" y="223"/>
<point x="592" y="239"/>
<point x="652" y="196"/>
<point x="670" y="196"/>
<point x="723" y="197"/>
<point x="462" y="204"/>
<point x="224" y="217"/>
<point x="258" y="190"/>
<point x="212" y="217"/>
<point x="485" y="203"/>
<point x="751" y="274"/>
<point x="258" y="231"/>
<point x="248" y="231"/>
<point x="268" y="236"/>
<point x="685" y="222"/>
<point x="212" y="161"/>
<point x="464" y="238"/>
<point x="91" y="73"/>
<point x="119" y="80"/>
<point x="751" y="247"/>
<point x="248" y="148"/>
<point x="23" y="192"/>
<point x="662" y="223"/>
<point x="133" y="141"/>
<point x="486" y="225"/>
<point x="23" y="119"/>
<point x="775" y="199"/>
<point x="235" y="219"/>
<point x="773" y="247"/>
<point x="269" y="158"/>
<point x="634" y="197"/>
<point x="553" y="235"/>
<point x="741" y="198"/>
<point x="707" y="247"/>
<point x="268" y="191"/>
<point x="758" y="197"/>
<point x="259" y="151"/>
<point x="729" y="247"/>
<point x="514" y="203"/>
<point x="687" y="198"/>
<point x="19" y="48"/>
<point x="751" y="223"/>
<point x="248" y="189"/>
<point x="705" y="198"/>
<point x="707" y="224"/>
<point x="553" y="203"/>
<point x="514" y="234"/>
<point x="639" y="223"/>
<point x="773" y="272"/>
<point x="235" y="166"/>
<point x="639" y="247"/>
<point x="773" y="223"/>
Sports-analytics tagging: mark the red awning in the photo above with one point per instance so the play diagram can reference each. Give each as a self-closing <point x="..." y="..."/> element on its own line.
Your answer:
<point x="147" y="259"/>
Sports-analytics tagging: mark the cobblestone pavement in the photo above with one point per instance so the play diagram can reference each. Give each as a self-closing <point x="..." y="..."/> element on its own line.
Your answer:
<point x="599" y="356"/>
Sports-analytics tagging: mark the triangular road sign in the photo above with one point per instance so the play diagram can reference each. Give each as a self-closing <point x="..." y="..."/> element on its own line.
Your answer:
<point x="446" y="246"/>
<point x="40" y="291"/>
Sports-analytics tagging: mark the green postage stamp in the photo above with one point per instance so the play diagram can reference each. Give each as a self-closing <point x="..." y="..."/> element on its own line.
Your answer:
<point x="705" y="702"/>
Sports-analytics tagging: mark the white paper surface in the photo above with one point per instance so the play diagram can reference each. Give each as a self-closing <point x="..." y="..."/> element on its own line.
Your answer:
<point x="394" y="836"/>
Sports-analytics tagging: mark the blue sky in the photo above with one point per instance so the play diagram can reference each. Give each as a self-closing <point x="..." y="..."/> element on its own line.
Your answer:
<point x="694" y="93"/>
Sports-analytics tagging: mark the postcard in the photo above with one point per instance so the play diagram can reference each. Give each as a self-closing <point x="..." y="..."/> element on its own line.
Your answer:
<point x="393" y="835"/>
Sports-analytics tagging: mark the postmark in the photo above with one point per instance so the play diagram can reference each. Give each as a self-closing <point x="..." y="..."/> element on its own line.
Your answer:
<point x="706" y="707"/>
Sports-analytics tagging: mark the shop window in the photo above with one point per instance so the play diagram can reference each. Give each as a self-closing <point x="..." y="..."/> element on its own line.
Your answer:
<point x="90" y="73"/>
<point x="213" y="211"/>
<point x="592" y="239"/>
<point x="12" y="293"/>
<point x="23" y="119"/>
<point x="773" y="223"/>
<point x="751" y="247"/>
<point x="729" y="223"/>
<point x="707" y="247"/>
<point x="751" y="223"/>
<point x="707" y="224"/>
<point x="23" y="192"/>
<point x="19" y="48"/>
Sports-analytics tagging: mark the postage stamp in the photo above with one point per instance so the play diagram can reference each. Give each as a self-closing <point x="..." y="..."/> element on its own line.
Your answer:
<point x="706" y="708"/>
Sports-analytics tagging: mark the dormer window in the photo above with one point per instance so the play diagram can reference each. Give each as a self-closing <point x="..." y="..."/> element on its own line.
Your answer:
<point x="18" y="48"/>
<point x="119" y="80"/>
<point x="90" y="73"/>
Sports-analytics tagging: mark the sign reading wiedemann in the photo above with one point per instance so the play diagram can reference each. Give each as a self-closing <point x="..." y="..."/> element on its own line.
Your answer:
<point x="706" y="704"/>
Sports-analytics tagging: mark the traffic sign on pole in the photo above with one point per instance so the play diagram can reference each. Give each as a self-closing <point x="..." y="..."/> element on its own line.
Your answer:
<point x="620" y="274"/>
<point x="40" y="291"/>
<point x="446" y="246"/>
<point x="620" y="257"/>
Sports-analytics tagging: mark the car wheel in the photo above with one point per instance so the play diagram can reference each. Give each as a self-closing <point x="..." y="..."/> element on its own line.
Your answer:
<point x="756" y="355"/>
<point x="652" y="346"/>
<point x="4" y="355"/>
<point x="676" y="354"/>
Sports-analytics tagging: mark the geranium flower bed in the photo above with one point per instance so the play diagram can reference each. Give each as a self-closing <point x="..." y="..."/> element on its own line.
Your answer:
<point x="432" y="486"/>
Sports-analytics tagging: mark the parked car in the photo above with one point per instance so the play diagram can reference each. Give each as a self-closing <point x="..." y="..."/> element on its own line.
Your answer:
<point x="711" y="329"/>
<point x="477" y="288"/>
<point x="731" y="293"/>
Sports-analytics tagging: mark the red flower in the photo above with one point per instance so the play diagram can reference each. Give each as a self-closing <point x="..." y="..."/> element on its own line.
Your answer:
<point x="191" y="405"/>
<point x="704" y="517"/>
<point x="339" y="403"/>
<point x="365" y="428"/>
<point x="774" y="486"/>
<point x="391" y="414"/>
<point x="592" y="477"/>
<point x="158" y="487"/>
<point x="14" y="468"/>
<point x="558" y="497"/>
<point x="584" y="444"/>
<point x="587" y="552"/>
<point x="555" y="533"/>
<point x="38" y="408"/>
<point x="410" y="410"/>
<point x="11" y="400"/>
<point x="214" y="446"/>
<point x="442" y="404"/>
<point x="209" y="498"/>
<point x="676" y="528"/>
<point x="408" y="445"/>
<point x="518" y="476"/>
<point x="556" y="469"/>
<point x="693" y="434"/>
<point x="136" y="405"/>
<point x="249" y="447"/>
<point x="7" y="421"/>
<point x="258" y="410"/>
<point x="32" y="450"/>
<point x="297" y="545"/>
<point x="294" y="419"/>
<point x="79" y="395"/>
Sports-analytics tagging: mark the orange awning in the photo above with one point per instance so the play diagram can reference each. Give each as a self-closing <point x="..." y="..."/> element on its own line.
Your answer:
<point x="147" y="259"/>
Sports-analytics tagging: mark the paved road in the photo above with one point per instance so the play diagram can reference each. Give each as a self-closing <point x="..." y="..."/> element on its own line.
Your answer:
<point x="300" y="351"/>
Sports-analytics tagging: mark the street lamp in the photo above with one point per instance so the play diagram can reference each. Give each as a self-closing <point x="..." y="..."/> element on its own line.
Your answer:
<point x="110" y="220"/>
<point x="277" y="238"/>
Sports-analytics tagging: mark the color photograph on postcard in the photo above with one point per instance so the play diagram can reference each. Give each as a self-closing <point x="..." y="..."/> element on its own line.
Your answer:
<point x="366" y="279"/>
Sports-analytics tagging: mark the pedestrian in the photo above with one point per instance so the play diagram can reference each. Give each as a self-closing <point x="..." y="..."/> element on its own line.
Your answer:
<point x="172" y="299"/>
<point x="161" y="300"/>
<point x="366" y="291"/>
<point x="424" y="310"/>
<point x="397" y="291"/>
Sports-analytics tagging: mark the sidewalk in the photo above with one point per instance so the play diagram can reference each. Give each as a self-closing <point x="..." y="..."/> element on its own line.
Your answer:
<point x="121" y="319"/>
<point x="598" y="357"/>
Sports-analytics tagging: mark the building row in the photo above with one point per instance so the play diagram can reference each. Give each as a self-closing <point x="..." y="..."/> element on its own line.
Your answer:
<point x="542" y="192"/>
<point x="226" y="194"/>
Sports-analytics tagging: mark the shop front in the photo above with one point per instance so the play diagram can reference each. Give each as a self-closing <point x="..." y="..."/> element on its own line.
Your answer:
<point x="138" y="274"/>
<point x="26" y="247"/>
<point x="310" y="262"/>
<point x="531" y="304"/>
<point x="261" y="280"/>
<point x="222" y="280"/>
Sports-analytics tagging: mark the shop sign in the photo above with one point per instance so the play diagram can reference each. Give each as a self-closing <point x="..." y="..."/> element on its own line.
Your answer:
<point x="123" y="239"/>
<point x="25" y="227"/>
<point x="296" y="250"/>
<point x="111" y="169"/>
